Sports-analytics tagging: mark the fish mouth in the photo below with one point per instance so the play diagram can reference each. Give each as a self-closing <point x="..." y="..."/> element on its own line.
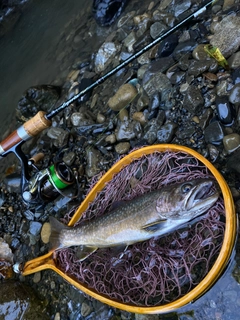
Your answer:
<point x="202" y="196"/>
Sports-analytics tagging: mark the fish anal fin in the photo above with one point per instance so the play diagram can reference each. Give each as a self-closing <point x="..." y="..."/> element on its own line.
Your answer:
<point x="154" y="226"/>
<point x="83" y="252"/>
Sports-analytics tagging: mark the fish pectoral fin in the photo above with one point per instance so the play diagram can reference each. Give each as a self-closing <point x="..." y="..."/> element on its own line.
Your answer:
<point x="154" y="226"/>
<point x="83" y="252"/>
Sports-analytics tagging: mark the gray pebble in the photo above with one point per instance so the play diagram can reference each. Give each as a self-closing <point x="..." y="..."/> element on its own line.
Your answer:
<point x="166" y="133"/>
<point x="86" y="309"/>
<point x="104" y="56"/>
<point x="128" y="130"/>
<point x="234" y="96"/>
<point x="193" y="100"/>
<point x="69" y="158"/>
<point x="35" y="228"/>
<point x="125" y="94"/>
<point x="227" y="35"/>
<point x="93" y="157"/>
<point x="122" y="147"/>
<point x="214" y="133"/>
<point x="153" y="82"/>
<point x="156" y="29"/>
<point x="231" y="142"/>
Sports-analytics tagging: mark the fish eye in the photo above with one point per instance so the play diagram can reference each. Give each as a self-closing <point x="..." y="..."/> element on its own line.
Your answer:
<point x="186" y="187"/>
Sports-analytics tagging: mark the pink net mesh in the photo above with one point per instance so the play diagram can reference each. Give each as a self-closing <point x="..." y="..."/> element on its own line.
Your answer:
<point x="160" y="270"/>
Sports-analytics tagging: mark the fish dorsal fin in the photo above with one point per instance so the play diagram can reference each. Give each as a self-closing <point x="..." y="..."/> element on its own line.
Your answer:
<point x="83" y="252"/>
<point x="154" y="226"/>
<point x="117" y="204"/>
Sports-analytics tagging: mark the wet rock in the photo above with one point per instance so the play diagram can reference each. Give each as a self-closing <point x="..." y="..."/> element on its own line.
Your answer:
<point x="101" y="118"/>
<point x="128" y="130"/>
<point x="140" y="117"/>
<point x="37" y="277"/>
<point x="86" y="309"/>
<point x="199" y="53"/>
<point x="93" y="157"/>
<point x="234" y="60"/>
<point x="234" y="95"/>
<point x="197" y="67"/>
<point x="122" y="147"/>
<point x="143" y="26"/>
<point x="183" y="48"/>
<point x="177" y="77"/>
<point x="193" y="100"/>
<point x="18" y="301"/>
<point x="153" y="82"/>
<point x="34" y="99"/>
<point x="35" y="228"/>
<point x="166" y="133"/>
<point x="123" y="115"/>
<point x="222" y="88"/>
<point x="155" y="101"/>
<point x="107" y="11"/>
<point x="130" y="40"/>
<point x="167" y="46"/>
<point x="143" y="101"/>
<point x="125" y="94"/>
<point x="231" y="142"/>
<point x="227" y="35"/>
<point x="81" y="118"/>
<point x="152" y="127"/>
<point x="111" y="138"/>
<point x="214" y="133"/>
<point x="210" y="76"/>
<point x="179" y="8"/>
<point x="213" y="152"/>
<point x="57" y="316"/>
<point x="224" y="110"/>
<point x="104" y="56"/>
<point x="236" y="75"/>
<point x="59" y="136"/>
<point x="45" y="232"/>
<point x="233" y="162"/>
<point x="186" y="131"/>
<point x="146" y="317"/>
<point x="69" y="158"/>
<point x="156" y="29"/>
<point x="5" y="251"/>
<point x="84" y="83"/>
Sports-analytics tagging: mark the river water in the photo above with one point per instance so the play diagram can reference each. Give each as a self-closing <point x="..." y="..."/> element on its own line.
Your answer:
<point x="24" y="51"/>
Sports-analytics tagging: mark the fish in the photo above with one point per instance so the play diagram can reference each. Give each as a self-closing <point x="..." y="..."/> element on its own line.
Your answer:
<point x="152" y="214"/>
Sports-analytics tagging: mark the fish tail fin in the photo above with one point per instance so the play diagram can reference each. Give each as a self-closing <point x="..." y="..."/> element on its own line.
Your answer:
<point x="55" y="240"/>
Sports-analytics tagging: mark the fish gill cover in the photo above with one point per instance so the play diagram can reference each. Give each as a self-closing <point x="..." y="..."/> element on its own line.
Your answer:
<point x="160" y="270"/>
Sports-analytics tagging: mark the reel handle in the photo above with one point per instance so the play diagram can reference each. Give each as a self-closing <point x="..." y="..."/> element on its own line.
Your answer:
<point x="28" y="130"/>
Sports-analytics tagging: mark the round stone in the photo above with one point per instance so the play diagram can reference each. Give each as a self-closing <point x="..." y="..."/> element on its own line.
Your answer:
<point x="45" y="232"/>
<point x="234" y="96"/>
<point x="125" y="94"/>
<point x="122" y="147"/>
<point x="231" y="142"/>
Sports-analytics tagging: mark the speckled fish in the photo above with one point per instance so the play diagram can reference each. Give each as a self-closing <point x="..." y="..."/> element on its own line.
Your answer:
<point x="149" y="215"/>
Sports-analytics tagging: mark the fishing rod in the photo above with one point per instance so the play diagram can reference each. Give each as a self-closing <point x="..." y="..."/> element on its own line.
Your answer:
<point x="60" y="176"/>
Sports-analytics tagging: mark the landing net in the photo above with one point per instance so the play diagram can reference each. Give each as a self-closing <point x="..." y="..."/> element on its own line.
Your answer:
<point x="160" y="270"/>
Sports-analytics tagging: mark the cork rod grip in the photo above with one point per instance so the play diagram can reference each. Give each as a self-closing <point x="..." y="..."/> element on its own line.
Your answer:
<point x="28" y="130"/>
<point x="37" y="124"/>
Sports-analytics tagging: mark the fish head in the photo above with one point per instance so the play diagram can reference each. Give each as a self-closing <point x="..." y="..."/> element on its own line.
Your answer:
<point x="187" y="200"/>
